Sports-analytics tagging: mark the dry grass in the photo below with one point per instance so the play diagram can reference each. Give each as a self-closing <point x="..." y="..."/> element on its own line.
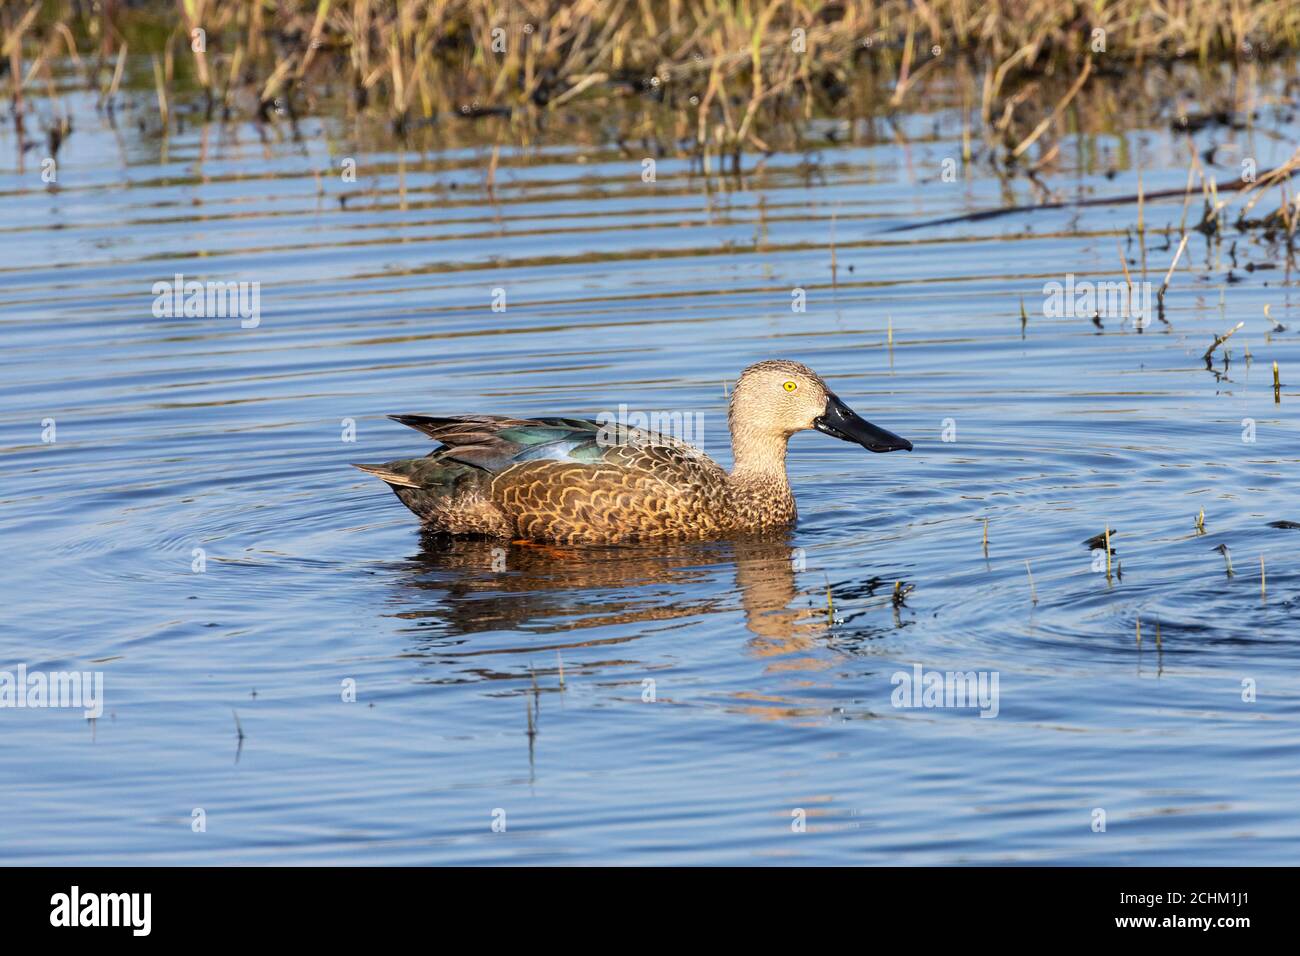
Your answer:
<point x="1281" y="223"/>
<point x="731" y="70"/>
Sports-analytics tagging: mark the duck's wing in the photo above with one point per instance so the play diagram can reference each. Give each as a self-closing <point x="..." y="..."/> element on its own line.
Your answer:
<point x="497" y="442"/>
<point x="556" y="478"/>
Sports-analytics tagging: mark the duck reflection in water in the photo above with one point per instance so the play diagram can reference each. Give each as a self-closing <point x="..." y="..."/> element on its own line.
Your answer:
<point x="478" y="586"/>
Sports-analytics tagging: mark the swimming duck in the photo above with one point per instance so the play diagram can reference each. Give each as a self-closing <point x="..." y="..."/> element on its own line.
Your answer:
<point x="570" y="480"/>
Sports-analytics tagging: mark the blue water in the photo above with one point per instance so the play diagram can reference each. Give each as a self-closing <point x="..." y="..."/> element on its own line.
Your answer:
<point x="689" y="704"/>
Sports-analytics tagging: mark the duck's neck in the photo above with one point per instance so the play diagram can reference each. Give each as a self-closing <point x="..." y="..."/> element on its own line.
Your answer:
<point x="758" y="480"/>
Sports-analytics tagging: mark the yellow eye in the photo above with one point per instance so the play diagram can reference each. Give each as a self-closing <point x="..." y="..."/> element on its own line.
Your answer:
<point x="789" y="386"/>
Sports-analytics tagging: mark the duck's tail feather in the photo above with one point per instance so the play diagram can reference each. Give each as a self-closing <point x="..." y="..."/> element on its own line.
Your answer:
<point x="384" y="473"/>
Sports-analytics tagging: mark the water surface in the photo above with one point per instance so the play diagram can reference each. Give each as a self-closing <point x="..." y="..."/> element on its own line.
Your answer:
<point x="686" y="702"/>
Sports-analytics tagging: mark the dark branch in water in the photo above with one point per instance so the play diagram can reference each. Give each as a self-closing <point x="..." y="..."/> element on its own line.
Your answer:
<point x="1231" y="185"/>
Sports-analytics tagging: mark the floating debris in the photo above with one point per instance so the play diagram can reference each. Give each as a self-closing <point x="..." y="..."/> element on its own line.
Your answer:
<point x="1033" y="593"/>
<point x="1101" y="540"/>
<point x="1219" y="340"/>
<point x="1277" y="326"/>
<point x="1164" y="286"/>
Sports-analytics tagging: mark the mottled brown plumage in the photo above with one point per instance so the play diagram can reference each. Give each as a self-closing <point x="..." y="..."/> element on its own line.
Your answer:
<point x="571" y="480"/>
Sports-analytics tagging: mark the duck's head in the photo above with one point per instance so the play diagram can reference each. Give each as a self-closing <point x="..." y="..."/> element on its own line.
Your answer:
<point x="780" y="397"/>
